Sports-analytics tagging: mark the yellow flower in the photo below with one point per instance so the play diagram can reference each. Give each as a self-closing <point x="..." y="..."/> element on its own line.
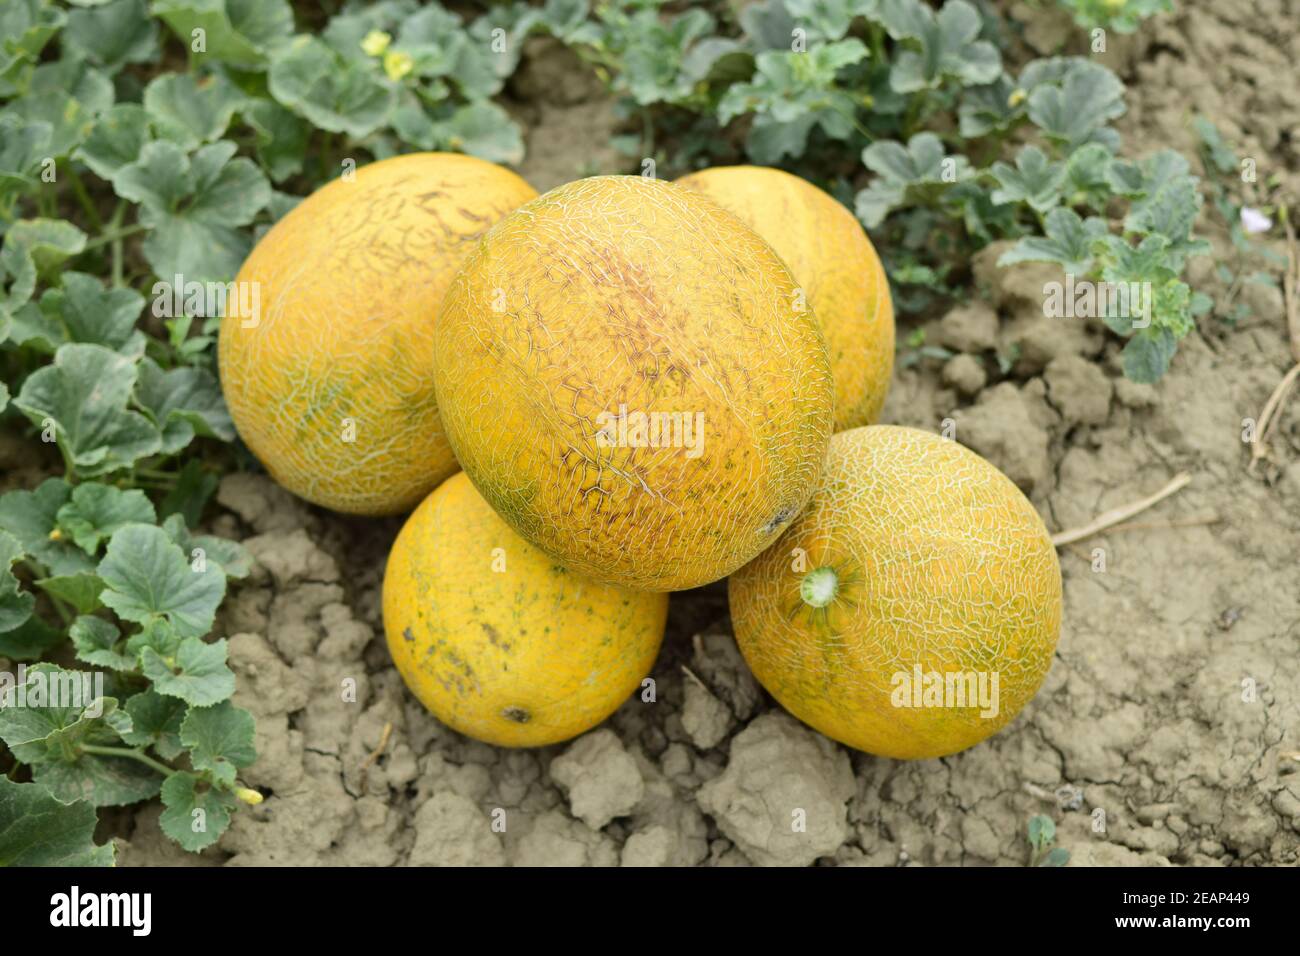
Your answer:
<point x="376" y="42"/>
<point x="1016" y="98"/>
<point x="397" y="65"/>
<point x="250" y="797"/>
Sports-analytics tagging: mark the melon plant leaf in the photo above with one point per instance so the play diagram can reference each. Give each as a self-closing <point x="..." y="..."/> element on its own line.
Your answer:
<point x="484" y="130"/>
<point x="1034" y="179"/>
<point x="156" y="722"/>
<point x="116" y="139"/>
<point x="38" y="830"/>
<point x="1069" y="241"/>
<point x="80" y="590"/>
<point x="30" y="640"/>
<point x="830" y="19"/>
<point x="1076" y="110"/>
<point x="191" y="111"/>
<point x="920" y="170"/>
<point x="112" y="35"/>
<point x="4" y="389"/>
<point x="94" y="315"/>
<point x="197" y="674"/>
<point x="1042" y="831"/>
<point x="281" y="138"/>
<point x="948" y="41"/>
<point x="238" y="32"/>
<point x="1087" y="173"/>
<point x="157" y="635"/>
<point x="220" y="740"/>
<point x="23" y="146"/>
<point x="989" y="109"/>
<point x="1147" y="354"/>
<point x="146" y="577"/>
<point x="232" y="556"/>
<point x="1136" y="180"/>
<point x="31" y="516"/>
<point x="193" y="205"/>
<point x="194" y="486"/>
<point x="318" y="83"/>
<point x="35" y="247"/>
<point x="183" y="402"/>
<point x="83" y="395"/>
<point x="69" y="121"/>
<point x="196" y="814"/>
<point x="15" y="604"/>
<point x="25" y="27"/>
<point x="99" y="643"/>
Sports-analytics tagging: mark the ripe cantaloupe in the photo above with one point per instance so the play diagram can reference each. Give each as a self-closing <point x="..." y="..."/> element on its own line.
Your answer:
<point x="497" y="640"/>
<point x="915" y="558"/>
<point x="623" y="375"/>
<point x="330" y="382"/>
<point x="836" y="265"/>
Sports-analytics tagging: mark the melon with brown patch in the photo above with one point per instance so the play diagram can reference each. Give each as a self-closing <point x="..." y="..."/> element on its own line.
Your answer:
<point x="328" y="369"/>
<point x="625" y="374"/>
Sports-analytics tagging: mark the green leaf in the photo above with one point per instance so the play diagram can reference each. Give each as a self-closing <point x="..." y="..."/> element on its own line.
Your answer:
<point x="238" y="32"/>
<point x="146" y="576"/>
<point x="183" y="402"/>
<point x="281" y="138"/>
<point x="30" y="640"/>
<point x="44" y="243"/>
<point x="1057" y="856"/>
<point x="1087" y="174"/>
<point x="190" y="111"/>
<point x="1076" y="110"/>
<point x="102" y="780"/>
<point x="113" y="35"/>
<point x="1042" y="831"/>
<point x="989" y="109"/>
<point x="194" y="486"/>
<point x="37" y="830"/>
<point x="331" y="92"/>
<point x="198" y="675"/>
<point x="948" y="42"/>
<point x="1069" y="241"/>
<point x="193" y="205"/>
<point x="83" y="395"/>
<point x="96" y="511"/>
<point x="80" y="590"/>
<point x="920" y="171"/>
<point x="25" y="27"/>
<point x="15" y="604"/>
<point x="220" y="740"/>
<point x="24" y="146"/>
<point x="91" y="314"/>
<point x="156" y="722"/>
<point x="1147" y="355"/>
<point x="233" y="557"/>
<point x="484" y="130"/>
<point x="31" y="517"/>
<point x="69" y="121"/>
<point x="1034" y="179"/>
<point x="98" y="642"/>
<point x="116" y="139"/>
<point x="196" y="814"/>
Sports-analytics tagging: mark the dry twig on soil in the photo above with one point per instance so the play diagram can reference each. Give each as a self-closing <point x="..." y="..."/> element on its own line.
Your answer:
<point x="1115" y="516"/>
<point x="1268" y="418"/>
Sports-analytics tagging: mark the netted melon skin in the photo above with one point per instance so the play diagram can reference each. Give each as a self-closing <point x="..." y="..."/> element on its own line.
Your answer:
<point x="330" y="384"/>
<point x="941" y="562"/>
<point x="623" y="292"/>
<point x="836" y="265"/>
<point x="497" y="640"/>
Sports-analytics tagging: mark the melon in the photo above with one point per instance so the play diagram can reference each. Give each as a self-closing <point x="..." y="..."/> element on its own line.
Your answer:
<point x="914" y="608"/>
<point x="624" y="375"/>
<point x="499" y="641"/>
<point x="835" y="264"/>
<point x="327" y="370"/>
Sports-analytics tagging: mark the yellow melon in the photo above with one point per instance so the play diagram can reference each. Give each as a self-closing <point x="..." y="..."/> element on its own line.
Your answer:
<point x="623" y="374"/>
<point x="328" y="370"/>
<point x="835" y="264"/>
<point x="497" y="640"/>
<point x="914" y="608"/>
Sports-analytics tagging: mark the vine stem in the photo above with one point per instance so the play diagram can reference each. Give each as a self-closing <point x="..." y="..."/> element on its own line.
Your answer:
<point x="83" y="197"/>
<point x="131" y="754"/>
<point x="114" y="235"/>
